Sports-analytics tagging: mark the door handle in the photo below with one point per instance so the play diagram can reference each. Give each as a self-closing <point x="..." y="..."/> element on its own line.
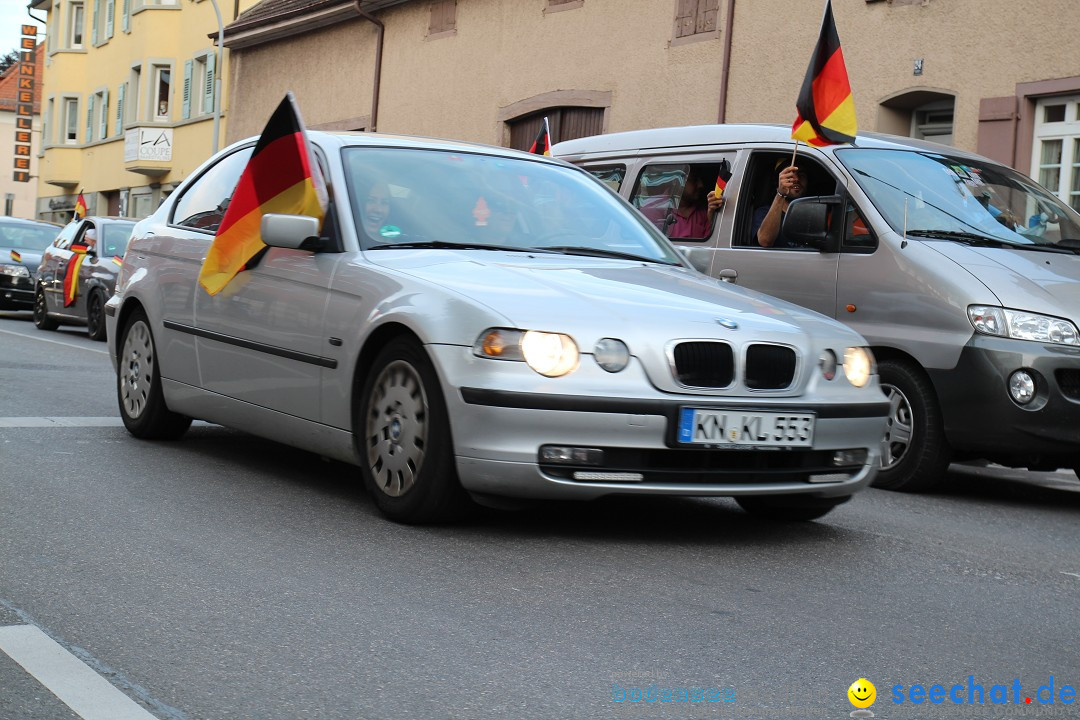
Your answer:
<point x="728" y="275"/>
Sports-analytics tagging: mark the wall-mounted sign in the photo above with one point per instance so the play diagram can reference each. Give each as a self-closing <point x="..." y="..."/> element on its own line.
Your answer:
<point x="24" y="103"/>
<point x="148" y="143"/>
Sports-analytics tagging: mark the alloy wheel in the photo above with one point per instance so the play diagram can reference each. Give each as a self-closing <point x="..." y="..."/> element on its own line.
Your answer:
<point x="396" y="428"/>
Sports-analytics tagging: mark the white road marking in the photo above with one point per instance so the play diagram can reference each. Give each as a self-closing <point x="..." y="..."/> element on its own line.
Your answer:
<point x="55" y="422"/>
<point x="88" y="694"/>
<point x="28" y="336"/>
<point x="1069" y="573"/>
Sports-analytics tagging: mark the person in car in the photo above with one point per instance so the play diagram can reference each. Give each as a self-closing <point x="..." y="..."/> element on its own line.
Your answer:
<point x="790" y="184"/>
<point x="693" y="217"/>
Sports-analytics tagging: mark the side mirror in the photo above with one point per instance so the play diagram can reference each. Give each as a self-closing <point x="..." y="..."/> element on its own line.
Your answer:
<point x="697" y="257"/>
<point x="295" y="232"/>
<point x="806" y="222"/>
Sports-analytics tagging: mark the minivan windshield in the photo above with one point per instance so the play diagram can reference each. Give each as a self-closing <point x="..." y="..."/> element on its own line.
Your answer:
<point x="406" y="198"/>
<point x="931" y="195"/>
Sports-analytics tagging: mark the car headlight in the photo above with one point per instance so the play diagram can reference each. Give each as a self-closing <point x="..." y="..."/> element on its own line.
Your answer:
<point x="1021" y="325"/>
<point x="550" y="354"/>
<point x="858" y="365"/>
<point x="14" y="270"/>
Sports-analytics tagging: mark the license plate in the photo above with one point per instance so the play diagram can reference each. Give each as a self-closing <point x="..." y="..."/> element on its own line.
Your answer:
<point x="701" y="426"/>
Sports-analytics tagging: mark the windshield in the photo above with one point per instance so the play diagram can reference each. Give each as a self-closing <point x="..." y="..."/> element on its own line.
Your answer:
<point x="116" y="238"/>
<point x="23" y="236"/>
<point x="431" y="198"/>
<point x="932" y="195"/>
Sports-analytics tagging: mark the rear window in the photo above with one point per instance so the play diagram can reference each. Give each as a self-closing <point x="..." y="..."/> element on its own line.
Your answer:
<point x="27" y="237"/>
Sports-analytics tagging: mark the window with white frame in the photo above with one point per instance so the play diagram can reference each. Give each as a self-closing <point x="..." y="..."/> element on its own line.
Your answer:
<point x="198" y="88"/>
<point x="100" y="108"/>
<point x="133" y="114"/>
<point x="162" y="92"/>
<point x="76" y="24"/>
<point x="1055" y="157"/>
<point x="70" y="122"/>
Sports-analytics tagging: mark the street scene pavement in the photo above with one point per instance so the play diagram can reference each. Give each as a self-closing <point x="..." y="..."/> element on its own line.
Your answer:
<point x="225" y="576"/>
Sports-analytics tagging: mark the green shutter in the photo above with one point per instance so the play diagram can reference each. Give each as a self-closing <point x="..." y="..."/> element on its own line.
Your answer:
<point x="110" y="13"/>
<point x="93" y="23"/>
<point x="125" y="16"/>
<point x="187" y="89"/>
<point x="120" y="108"/>
<point x="90" y="119"/>
<point x="208" y="90"/>
<point x="104" y="129"/>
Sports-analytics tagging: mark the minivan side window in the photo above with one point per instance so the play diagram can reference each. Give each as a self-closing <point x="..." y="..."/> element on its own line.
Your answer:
<point x="760" y="190"/>
<point x="673" y="196"/>
<point x="612" y="176"/>
<point x="203" y="204"/>
<point x="858" y="237"/>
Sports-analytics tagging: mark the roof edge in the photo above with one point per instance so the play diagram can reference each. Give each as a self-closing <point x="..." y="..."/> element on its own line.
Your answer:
<point x="270" y="28"/>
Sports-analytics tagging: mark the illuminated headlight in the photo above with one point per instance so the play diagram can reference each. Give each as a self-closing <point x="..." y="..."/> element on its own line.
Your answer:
<point x="1021" y="325"/>
<point x="612" y="354"/>
<point x="14" y="271"/>
<point x="550" y="354"/>
<point x="858" y="365"/>
<point x="827" y="362"/>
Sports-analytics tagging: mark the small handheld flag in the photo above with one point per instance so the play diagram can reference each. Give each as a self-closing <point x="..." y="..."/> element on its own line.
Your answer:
<point x="282" y="176"/>
<point x="722" y="178"/>
<point x="80" y="207"/>
<point x="826" y="109"/>
<point x="542" y="144"/>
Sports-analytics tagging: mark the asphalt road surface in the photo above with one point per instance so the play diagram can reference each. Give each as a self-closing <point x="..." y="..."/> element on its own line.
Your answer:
<point x="223" y="576"/>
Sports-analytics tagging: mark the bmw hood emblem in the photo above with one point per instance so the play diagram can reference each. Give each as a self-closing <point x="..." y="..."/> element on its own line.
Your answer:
<point x="727" y="323"/>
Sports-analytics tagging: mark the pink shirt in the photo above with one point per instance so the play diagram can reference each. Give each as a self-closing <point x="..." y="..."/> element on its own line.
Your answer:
<point x="694" y="226"/>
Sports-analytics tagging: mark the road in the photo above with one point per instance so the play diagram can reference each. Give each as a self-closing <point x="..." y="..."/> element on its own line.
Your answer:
<point x="223" y="576"/>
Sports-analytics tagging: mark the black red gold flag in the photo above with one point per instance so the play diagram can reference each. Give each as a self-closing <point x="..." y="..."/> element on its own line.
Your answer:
<point x="826" y="109"/>
<point x="80" y="207"/>
<point x="542" y="144"/>
<point x="282" y="176"/>
<point x="71" y="274"/>
<point x="722" y="177"/>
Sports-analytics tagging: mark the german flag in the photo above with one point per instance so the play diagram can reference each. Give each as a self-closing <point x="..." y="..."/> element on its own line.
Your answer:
<point x="71" y="274"/>
<point x="16" y="256"/>
<point x="542" y="144"/>
<point x="826" y="108"/>
<point x="722" y="177"/>
<point x="119" y="261"/>
<point x="282" y="176"/>
<point x="80" y="207"/>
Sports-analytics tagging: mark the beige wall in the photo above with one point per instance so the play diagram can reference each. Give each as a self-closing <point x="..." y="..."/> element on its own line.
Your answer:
<point x="507" y="51"/>
<point x="24" y="192"/>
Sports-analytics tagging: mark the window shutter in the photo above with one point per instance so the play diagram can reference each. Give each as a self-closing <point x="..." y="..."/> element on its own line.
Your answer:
<point x="125" y="16"/>
<point x="187" y="90"/>
<point x="706" y="15"/>
<point x="120" y="108"/>
<point x="685" y="18"/>
<point x="90" y="118"/>
<point x="104" y="130"/>
<point x="110" y="12"/>
<point x="46" y="127"/>
<point x="208" y="90"/>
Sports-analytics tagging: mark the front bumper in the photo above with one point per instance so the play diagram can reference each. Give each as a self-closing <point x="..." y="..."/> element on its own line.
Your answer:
<point x="981" y="419"/>
<point x="16" y="292"/>
<point x="498" y="433"/>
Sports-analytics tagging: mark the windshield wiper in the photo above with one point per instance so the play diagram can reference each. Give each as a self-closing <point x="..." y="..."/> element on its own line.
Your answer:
<point x="985" y="241"/>
<point x="445" y="245"/>
<point x="603" y="253"/>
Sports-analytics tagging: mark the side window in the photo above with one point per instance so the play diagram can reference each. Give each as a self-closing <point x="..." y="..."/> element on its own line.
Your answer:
<point x="759" y="203"/>
<point x="203" y="204"/>
<point x="63" y="241"/>
<point x="674" y="197"/>
<point x="858" y="237"/>
<point x="610" y="176"/>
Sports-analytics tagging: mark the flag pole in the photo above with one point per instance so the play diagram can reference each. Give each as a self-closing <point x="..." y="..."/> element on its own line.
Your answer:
<point x="793" y="152"/>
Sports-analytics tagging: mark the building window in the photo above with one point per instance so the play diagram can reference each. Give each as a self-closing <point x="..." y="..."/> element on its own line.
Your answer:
<point x="934" y="122"/>
<point x="47" y="124"/>
<point x="100" y="107"/>
<point x="162" y="87"/>
<point x="134" y="114"/>
<point x="71" y="121"/>
<point x="555" y="5"/>
<point x="198" y="88"/>
<point x="1056" y="151"/>
<point x="443" y="17"/>
<point x="695" y="17"/>
<point x="78" y="21"/>
<point x="9" y="203"/>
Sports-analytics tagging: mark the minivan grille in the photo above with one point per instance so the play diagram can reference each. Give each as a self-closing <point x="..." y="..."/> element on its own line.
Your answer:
<point x="1069" y="382"/>
<point x="769" y="367"/>
<point x="704" y="364"/>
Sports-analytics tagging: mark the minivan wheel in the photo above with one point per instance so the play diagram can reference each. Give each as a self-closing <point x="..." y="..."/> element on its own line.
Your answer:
<point x="41" y="312"/>
<point x="138" y="385"/>
<point x="403" y="436"/>
<point x="789" y="507"/>
<point x="914" y="451"/>
<point x="95" y="315"/>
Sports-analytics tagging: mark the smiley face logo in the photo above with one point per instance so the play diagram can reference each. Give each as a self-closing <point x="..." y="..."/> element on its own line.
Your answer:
<point x="862" y="693"/>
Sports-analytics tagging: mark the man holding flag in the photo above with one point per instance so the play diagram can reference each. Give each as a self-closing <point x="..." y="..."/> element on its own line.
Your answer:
<point x="825" y="116"/>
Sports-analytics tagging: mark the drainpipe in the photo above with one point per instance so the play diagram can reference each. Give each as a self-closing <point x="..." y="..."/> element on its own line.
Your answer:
<point x="378" y="65"/>
<point x="721" y="117"/>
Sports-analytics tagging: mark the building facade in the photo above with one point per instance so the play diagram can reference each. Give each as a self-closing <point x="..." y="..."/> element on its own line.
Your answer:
<point x="971" y="73"/>
<point x="16" y="195"/>
<point x="132" y="90"/>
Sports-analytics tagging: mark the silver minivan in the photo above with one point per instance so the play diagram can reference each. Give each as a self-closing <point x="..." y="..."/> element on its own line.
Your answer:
<point x="962" y="274"/>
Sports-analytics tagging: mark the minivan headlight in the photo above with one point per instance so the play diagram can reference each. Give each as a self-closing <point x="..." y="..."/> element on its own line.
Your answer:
<point x="550" y="354"/>
<point x="858" y="365"/>
<point x="1022" y="325"/>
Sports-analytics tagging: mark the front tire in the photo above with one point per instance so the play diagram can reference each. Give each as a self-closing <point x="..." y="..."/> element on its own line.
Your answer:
<point x="95" y="315"/>
<point x="41" y="312"/>
<point x="138" y="385"/>
<point x="914" y="451"/>
<point x="789" y="508"/>
<point x="403" y="437"/>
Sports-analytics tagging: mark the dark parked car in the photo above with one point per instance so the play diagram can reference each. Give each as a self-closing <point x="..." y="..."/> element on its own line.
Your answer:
<point x="21" y="245"/>
<point x="80" y="299"/>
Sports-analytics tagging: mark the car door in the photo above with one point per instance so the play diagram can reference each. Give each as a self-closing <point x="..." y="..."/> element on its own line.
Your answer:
<point x="260" y="338"/>
<point x="804" y="276"/>
<point x="53" y="261"/>
<point x="67" y="256"/>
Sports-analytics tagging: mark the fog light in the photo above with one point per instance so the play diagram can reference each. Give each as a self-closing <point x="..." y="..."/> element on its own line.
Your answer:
<point x="828" y="364"/>
<point x="611" y="354"/>
<point x="1022" y="387"/>
<point x="842" y="458"/>
<point x="564" y="455"/>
